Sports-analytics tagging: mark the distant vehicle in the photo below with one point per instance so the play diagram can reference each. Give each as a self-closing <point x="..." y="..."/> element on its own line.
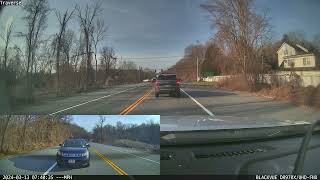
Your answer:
<point x="74" y="152"/>
<point x="167" y="84"/>
<point x="153" y="80"/>
<point x="146" y="80"/>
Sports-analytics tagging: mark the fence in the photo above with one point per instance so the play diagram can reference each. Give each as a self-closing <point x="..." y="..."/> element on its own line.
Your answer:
<point x="214" y="78"/>
<point x="308" y="78"/>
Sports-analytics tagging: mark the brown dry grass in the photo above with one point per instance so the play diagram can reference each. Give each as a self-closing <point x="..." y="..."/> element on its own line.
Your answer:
<point x="136" y="144"/>
<point x="234" y="83"/>
<point x="282" y="93"/>
<point x="300" y="96"/>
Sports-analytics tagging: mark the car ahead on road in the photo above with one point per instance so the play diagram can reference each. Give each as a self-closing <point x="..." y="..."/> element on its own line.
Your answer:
<point x="167" y="84"/>
<point x="153" y="80"/>
<point x="74" y="152"/>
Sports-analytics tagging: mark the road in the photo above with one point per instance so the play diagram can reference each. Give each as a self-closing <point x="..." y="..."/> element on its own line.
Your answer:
<point x="195" y="100"/>
<point x="105" y="160"/>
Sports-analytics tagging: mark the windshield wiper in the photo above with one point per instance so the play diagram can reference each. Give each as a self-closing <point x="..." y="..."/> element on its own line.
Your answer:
<point x="299" y="163"/>
<point x="298" y="166"/>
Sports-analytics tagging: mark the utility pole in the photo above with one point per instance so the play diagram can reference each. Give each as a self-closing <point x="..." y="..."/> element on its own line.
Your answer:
<point x="139" y="71"/>
<point x="261" y="74"/>
<point x="95" y="74"/>
<point x="262" y="63"/>
<point x="197" y="69"/>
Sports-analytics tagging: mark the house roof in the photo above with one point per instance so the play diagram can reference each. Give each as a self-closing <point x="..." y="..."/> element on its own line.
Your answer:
<point x="299" y="48"/>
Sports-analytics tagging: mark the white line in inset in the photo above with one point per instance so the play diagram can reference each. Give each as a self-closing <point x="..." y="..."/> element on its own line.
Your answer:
<point x="50" y="168"/>
<point x="136" y="156"/>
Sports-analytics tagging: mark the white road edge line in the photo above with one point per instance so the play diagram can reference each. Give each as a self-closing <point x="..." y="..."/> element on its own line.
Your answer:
<point x="137" y="156"/>
<point x="50" y="168"/>
<point x="204" y="108"/>
<point x="92" y="100"/>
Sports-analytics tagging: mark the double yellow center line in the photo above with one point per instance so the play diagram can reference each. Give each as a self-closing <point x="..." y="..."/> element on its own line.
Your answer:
<point x="136" y="103"/>
<point x="124" y="112"/>
<point x="108" y="161"/>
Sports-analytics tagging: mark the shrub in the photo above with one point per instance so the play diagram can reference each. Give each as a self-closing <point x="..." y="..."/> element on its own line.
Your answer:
<point x="234" y="83"/>
<point x="303" y="95"/>
<point x="316" y="97"/>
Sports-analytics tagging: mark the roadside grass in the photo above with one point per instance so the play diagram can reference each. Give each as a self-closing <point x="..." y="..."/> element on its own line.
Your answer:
<point x="204" y="83"/>
<point x="19" y="97"/>
<point x="3" y="155"/>
<point x="234" y="83"/>
<point x="136" y="144"/>
<point x="297" y="95"/>
<point x="7" y="154"/>
<point x="28" y="149"/>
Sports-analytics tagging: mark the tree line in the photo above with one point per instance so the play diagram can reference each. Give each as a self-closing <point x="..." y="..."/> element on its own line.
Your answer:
<point x="146" y="132"/>
<point x="22" y="133"/>
<point x="242" y="45"/>
<point x="70" y="60"/>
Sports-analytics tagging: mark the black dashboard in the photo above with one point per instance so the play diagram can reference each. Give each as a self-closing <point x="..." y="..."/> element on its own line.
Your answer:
<point x="269" y="156"/>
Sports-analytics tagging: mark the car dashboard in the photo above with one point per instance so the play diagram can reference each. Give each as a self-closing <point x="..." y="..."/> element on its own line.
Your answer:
<point x="270" y="156"/>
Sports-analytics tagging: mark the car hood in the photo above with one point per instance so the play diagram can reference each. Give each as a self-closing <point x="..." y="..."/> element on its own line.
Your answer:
<point x="198" y="123"/>
<point x="73" y="150"/>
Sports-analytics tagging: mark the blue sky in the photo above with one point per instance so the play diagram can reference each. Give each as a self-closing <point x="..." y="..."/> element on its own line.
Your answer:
<point x="149" y="28"/>
<point x="89" y="121"/>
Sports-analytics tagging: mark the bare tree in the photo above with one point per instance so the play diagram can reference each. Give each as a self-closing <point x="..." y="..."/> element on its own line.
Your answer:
<point x="316" y="41"/>
<point x="63" y="21"/>
<point x="100" y="124"/>
<point x="36" y="15"/>
<point x="45" y="55"/>
<point x="241" y="31"/>
<point x="86" y="18"/>
<point x="127" y="65"/>
<point x="6" y="119"/>
<point x="6" y="37"/>
<point x="27" y="118"/>
<point x="21" y="133"/>
<point x="212" y="64"/>
<point x="17" y="64"/>
<point x="298" y="37"/>
<point x="196" y="53"/>
<point x="68" y="41"/>
<point x="99" y="33"/>
<point x="107" y="59"/>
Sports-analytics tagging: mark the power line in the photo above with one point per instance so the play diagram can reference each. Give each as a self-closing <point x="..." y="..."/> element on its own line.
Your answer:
<point x="159" y="57"/>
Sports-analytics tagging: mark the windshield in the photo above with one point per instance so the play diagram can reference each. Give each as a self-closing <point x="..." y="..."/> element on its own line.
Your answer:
<point x="167" y="77"/>
<point x="263" y="66"/>
<point x="74" y="143"/>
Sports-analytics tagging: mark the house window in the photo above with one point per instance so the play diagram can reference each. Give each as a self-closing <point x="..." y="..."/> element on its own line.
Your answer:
<point x="306" y="61"/>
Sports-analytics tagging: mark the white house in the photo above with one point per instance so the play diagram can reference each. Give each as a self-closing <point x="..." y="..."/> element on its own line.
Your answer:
<point x="297" y="56"/>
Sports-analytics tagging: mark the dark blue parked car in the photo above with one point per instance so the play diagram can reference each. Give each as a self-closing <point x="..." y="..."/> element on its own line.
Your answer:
<point x="74" y="152"/>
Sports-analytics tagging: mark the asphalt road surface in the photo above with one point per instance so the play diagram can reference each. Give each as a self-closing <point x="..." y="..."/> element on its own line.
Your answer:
<point x="195" y="100"/>
<point x="105" y="160"/>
